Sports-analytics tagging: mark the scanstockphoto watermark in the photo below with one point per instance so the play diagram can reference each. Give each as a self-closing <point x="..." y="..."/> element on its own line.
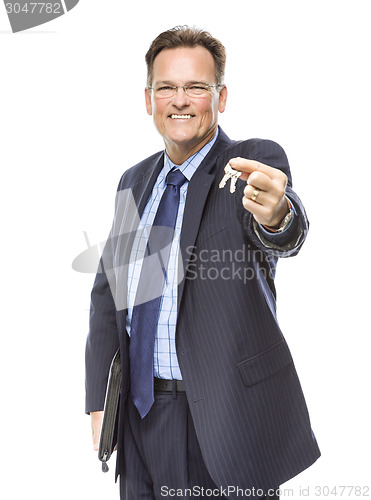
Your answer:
<point x="128" y="249"/>
<point x="24" y="14"/>
<point x="245" y="264"/>
<point x="317" y="491"/>
<point x="200" y="491"/>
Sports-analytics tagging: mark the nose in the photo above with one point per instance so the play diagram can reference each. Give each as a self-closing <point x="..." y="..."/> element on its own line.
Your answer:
<point x="180" y="99"/>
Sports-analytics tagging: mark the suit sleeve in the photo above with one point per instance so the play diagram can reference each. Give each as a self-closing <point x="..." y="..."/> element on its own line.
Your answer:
<point x="103" y="337"/>
<point x="102" y="341"/>
<point x="288" y="244"/>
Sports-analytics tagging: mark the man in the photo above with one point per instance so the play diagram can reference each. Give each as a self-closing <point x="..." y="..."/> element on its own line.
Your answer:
<point x="210" y="402"/>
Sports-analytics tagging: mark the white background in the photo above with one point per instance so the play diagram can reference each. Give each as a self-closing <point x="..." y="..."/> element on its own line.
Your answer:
<point x="73" y="119"/>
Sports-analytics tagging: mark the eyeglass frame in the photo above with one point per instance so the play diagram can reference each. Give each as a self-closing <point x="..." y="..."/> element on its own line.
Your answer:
<point x="185" y="88"/>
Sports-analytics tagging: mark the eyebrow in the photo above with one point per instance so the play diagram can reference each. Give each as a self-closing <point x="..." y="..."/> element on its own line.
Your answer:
<point x="192" y="82"/>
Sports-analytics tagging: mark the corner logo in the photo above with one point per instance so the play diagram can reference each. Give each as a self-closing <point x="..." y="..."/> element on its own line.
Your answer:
<point x="25" y="14"/>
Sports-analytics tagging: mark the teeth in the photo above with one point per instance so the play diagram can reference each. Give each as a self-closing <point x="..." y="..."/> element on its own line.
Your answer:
<point x="180" y="117"/>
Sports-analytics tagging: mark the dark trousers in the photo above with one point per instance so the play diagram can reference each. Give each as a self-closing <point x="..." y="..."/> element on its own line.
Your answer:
<point x="162" y="455"/>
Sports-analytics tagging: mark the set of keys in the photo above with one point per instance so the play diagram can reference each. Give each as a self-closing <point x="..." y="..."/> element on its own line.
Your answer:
<point x="230" y="173"/>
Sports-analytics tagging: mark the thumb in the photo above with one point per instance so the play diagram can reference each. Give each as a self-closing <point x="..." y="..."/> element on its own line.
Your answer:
<point x="239" y="164"/>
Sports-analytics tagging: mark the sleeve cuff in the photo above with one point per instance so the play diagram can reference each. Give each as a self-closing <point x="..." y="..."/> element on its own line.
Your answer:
<point x="271" y="239"/>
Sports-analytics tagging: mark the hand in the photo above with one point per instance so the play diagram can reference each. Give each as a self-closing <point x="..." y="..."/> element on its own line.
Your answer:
<point x="96" y="426"/>
<point x="266" y="186"/>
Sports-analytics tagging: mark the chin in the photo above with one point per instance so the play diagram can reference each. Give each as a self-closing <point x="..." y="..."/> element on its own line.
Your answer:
<point x="181" y="138"/>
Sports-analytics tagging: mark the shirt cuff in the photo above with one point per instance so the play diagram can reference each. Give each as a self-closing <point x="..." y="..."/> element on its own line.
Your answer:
<point x="281" y="239"/>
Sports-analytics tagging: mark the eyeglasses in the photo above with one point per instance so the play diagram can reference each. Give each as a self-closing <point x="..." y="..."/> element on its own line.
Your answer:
<point x="194" y="90"/>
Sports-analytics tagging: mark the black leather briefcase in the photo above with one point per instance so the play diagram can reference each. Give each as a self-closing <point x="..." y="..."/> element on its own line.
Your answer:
<point x="108" y="436"/>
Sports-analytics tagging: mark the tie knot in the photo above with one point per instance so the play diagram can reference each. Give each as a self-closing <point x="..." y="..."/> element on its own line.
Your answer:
<point x="175" y="178"/>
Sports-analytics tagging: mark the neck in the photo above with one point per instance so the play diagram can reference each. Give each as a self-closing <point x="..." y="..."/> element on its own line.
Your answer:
<point x="179" y="153"/>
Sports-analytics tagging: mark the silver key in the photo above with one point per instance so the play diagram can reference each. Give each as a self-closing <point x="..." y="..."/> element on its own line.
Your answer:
<point x="227" y="175"/>
<point x="236" y="175"/>
<point x="230" y="173"/>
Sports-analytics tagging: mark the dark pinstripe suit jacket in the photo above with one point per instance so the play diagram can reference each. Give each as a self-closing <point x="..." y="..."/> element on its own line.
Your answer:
<point x="244" y="395"/>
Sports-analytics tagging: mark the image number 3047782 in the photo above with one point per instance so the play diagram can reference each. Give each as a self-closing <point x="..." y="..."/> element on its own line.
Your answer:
<point x="24" y="14"/>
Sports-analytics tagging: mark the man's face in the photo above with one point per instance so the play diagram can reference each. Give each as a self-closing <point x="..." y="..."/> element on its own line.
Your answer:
<point x="186" y="123"/>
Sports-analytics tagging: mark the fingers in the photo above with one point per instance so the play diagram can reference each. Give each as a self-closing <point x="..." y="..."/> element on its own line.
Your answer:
<point x="96" y="426"/>
<point x="260" y="181"/>
<point x="268" y="214"/>
<point x="249" y="166"/>
<point x="261" y="189"/>
<point x="255" y="194"/>
<point x="264" y="194"/>
<point x="260" y="212"/>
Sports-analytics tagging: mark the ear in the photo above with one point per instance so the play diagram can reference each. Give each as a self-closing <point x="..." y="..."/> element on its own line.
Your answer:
<point x="148" y="101"/>
<point x="223" y="99"/>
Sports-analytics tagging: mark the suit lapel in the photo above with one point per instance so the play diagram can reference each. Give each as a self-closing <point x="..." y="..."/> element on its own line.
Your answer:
<point x="142" y="189"/>
<point x="198" y="190"/>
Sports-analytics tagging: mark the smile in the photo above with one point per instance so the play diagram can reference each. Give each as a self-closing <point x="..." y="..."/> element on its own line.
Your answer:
<point x="180" y="117"/>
